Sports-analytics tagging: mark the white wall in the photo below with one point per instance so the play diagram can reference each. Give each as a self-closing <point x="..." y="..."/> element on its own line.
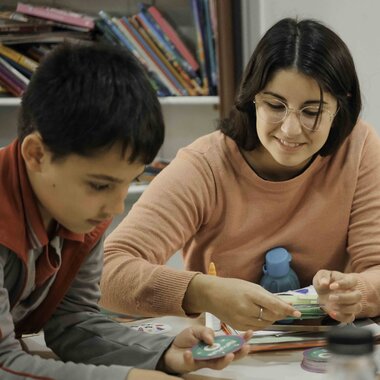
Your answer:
<point x="356" y="22"/>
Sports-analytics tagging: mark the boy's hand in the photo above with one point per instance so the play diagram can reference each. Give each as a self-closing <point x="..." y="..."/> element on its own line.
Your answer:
<point x="179" y="359"/>
<point x="241" y="304"/>
<point x="338" y="294"/>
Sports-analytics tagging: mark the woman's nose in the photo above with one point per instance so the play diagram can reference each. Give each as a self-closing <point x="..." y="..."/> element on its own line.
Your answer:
<point x="291" y="126"/>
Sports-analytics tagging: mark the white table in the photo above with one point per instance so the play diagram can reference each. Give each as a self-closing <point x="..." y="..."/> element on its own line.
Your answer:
<point x="271" y="365"/>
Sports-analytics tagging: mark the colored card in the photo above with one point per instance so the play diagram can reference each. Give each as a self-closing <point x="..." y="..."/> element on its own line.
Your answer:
<point x="152" y="327"/>
<point x="221" y="347"/>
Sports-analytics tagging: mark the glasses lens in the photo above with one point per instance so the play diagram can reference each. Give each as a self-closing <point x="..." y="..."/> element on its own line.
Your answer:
<point x="271" y="110"/>
<point x="310" y="118"/>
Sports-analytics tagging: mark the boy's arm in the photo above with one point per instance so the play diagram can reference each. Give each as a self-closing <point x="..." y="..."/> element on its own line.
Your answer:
<point x="15" y="363"/>
<point x="79" y="332"/>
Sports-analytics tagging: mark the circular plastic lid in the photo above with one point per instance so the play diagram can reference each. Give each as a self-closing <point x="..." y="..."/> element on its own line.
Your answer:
<point x="350" y="340"/>
<point x="277" y="262"/>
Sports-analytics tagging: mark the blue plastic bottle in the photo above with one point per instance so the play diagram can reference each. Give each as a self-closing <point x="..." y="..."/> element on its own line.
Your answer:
<point x="278" y="276"/>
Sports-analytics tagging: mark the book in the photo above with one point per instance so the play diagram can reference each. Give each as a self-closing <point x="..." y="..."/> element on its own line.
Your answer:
<point x="10" y="15"/>
<point x="11" y="26"/>
<point x="3" y="91"/>
<point x="209" y="37"/>
<point x="289" y="338"/>
<point x="19" y="58"/>
<point x="183" y="81"/>
<point x="44" y="37"/>
<point x="175" y="87"/>
<point x="188" y="75"/>
<point x="19" y="78"/>
<point x="173" y="35"/>
<point x="122" y="36"/>
<point x="57" y="14"/>
<point x="163" y="41"/>
<point x="8" y="81"/>
<point x="200" y="46"/>
<point x="18" y="67"/>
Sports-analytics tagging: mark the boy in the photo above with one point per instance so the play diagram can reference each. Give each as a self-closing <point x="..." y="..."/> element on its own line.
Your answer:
<point x="89" y="123"/>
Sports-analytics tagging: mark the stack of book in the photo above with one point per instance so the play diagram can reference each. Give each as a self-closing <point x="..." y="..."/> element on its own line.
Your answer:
<point x="29" y="32"/>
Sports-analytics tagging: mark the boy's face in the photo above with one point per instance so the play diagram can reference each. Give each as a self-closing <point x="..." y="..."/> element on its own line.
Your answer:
<point x="80" y="192"/>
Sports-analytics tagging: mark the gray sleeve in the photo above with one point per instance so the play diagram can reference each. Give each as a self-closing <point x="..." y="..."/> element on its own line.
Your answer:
<point x="17" y="364"/>
<point x="80" y="333"/>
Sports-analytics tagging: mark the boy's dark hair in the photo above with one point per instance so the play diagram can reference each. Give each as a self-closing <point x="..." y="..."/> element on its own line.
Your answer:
<point x="83" y="99"/>
<point x="312" y="49"/>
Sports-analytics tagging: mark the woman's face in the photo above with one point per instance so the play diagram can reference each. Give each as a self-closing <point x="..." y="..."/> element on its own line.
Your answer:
<point x="288" y="145"/>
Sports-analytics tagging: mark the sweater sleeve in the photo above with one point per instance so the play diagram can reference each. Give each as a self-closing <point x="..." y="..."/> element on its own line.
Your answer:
<point x="18" y="364"/>
<point x="78" y="332"/>
<point x="363" y="235"/>
<point x="172" y="209"/>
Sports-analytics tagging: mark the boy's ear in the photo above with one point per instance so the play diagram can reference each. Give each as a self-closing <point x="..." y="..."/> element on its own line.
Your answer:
<point x="33" y="152"/>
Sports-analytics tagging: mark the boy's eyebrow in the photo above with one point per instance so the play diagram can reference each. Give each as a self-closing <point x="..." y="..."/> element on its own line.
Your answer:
<point x="105" y="177"/>
<point x="285" y="100"/>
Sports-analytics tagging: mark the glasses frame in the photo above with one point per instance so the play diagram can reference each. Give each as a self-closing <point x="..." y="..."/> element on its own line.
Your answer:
<point x="289" y="110"/>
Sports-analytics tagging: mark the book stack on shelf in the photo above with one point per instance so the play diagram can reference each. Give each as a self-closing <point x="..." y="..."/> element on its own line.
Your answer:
<point x="29" y="32"/>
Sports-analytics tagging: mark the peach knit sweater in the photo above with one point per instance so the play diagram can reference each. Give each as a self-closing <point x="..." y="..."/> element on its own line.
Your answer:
<point x="209" y="202"/>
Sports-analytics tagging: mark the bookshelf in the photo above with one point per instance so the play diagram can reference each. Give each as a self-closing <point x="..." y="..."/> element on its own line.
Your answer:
<point x="186" y="117"/>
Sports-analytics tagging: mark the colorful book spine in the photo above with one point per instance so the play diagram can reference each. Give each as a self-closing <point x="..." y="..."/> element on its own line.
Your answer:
<point x="9" y="81"/>
<point x="18" y="27"/>
<point x="116" y="31"/>
<point x="210" y="47"/>
<point x="163" y="40"/>
<point x="18" y="77"/>
<point x="145" y="60"/>
<point x="200" y="46"/>
<point x="174" y="37"/>
<point x="18" y="67"/>
<point x="56" y="14"/>
<point x="19" y="58"/>
<point x="168" y="63"/>
<point x="164" y="70"/>
<point x="106" y="34"/>
<point x="162" y="44"/>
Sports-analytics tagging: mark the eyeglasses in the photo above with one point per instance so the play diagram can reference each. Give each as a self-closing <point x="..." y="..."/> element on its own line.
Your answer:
<point x="274" y="111"/>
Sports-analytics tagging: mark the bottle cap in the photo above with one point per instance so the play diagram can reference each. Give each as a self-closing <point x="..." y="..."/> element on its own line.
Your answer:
<point x="350" y="340"/>
<point x="277" y="262"/>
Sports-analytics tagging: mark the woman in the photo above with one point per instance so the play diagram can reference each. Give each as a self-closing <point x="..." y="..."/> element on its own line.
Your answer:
<point x="292" y="166"/>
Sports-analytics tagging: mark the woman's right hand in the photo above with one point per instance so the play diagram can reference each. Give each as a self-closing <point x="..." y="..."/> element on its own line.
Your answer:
<point x="236" y="302"/>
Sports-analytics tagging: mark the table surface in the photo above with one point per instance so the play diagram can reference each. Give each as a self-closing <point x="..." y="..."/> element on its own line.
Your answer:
<point x="283" y="364"/>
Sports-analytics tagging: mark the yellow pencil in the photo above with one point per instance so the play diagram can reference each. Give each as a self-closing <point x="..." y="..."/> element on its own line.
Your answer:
<point x="212" y="269"/>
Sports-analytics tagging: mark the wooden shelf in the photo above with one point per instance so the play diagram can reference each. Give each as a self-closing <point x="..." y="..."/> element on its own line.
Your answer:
<point x="10" y="101"/>
<point x="137" y="189"/>
<point x="169" y="100"/>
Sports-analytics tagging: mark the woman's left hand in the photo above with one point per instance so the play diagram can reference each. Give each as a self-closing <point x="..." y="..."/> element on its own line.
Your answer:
<point x="338" y="294"/>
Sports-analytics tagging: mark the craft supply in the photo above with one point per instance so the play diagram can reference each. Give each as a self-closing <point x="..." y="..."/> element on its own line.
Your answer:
<point x="221" y="347"/>
<point x="315" y="359"/>
<point x="152" y="327"/>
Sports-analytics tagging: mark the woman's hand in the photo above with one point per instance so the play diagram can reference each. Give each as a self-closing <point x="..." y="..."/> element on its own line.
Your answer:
<point x="179" y="359"/>
<point x="241" y="304"/>
<point x="338" y="294"/>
